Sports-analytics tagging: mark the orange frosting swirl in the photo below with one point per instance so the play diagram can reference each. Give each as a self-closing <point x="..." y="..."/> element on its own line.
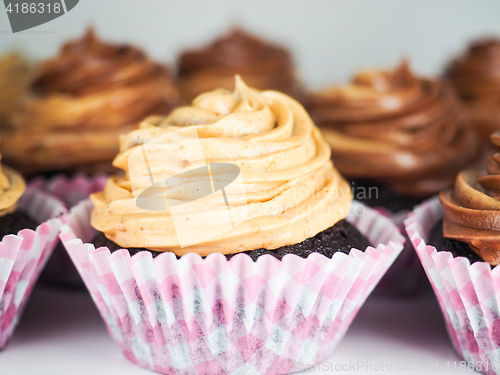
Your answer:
<point x="262" y="65"/>
<point x="15" y="76"/>
<point x="472" y="208"/>
<point x="395" y="128"/>
<point x="289" y="190"/>
<point x="80" y="101"/>
<point x="476" y="77"/>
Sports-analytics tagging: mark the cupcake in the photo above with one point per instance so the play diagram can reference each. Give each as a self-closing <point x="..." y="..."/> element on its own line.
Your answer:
<point x="29" y="230"/>
<point x="399" y="139"/>
<point x="475" y="75"/>
<point x="398" y="132"/>
<point x="261" y="65"/>
<point x="80" y="102"/>
<point x="224" y="248"/>
<point x="15" y="76"/>
<point x="457" y="240"/>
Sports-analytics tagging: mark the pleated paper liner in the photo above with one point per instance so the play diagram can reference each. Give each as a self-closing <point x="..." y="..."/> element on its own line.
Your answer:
<point x="60" y="270"/>
<point x="71" y="190"/>
<point x="23" y="256"/>
<point x="467" y="293"/>
<point x="213" y="316"/>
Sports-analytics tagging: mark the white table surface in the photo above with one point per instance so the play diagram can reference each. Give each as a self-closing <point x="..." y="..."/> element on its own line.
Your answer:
<point x="61" y="333"/>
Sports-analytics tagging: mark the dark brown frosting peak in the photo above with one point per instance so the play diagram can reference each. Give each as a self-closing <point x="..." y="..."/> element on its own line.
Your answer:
<point x="260" y="64"/>
<point x="239" y="52"/>
<point x="80" y="102"/>
<point x="472" y="208"/>
<point x="88" y="65"/>
<point x="476" y="77"/>
<point x="396" y="128"/>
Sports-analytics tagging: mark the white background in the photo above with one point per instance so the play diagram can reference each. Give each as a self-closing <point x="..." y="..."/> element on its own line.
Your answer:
<point x="330" y="39"/>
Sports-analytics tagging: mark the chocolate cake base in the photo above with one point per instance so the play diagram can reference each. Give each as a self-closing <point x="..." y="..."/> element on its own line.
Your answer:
<point x="374" y="194"/>
<point x="456" y="248"/>
<point x="341" y="237"/>
<point x="14" y="222"/>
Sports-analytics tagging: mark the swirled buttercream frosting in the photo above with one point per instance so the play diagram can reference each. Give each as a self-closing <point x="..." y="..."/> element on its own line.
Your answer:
<point x="472" y="208"/>
<point x="397" y="129"/>
<point x="79" y="103"/>
<point x="12" y="187"/>
<point x="261" y="64"/>
<point x="476" y="77"/>
<point x="15" y="76"/>
<point x="287" y="188"/>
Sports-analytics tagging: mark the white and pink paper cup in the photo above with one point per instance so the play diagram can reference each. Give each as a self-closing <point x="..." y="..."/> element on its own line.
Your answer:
<point x="468" y="294"/>
<point x="23" y="256"/>
<point x="60" y="270"/>
<point x="71" y="190"/>
<point x="211" y="315"/>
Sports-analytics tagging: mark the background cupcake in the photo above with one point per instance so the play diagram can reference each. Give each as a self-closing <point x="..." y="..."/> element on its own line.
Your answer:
<point x="460" y="254"/>
<point x="80" y="101"/>
<point x="15" y="75"/>
<point x="476" y="77"/>
<point x="399" y="139"/>
<point x="261" y="64"/>
<point x="285" y="209"/>
<point x="29" y="230"/>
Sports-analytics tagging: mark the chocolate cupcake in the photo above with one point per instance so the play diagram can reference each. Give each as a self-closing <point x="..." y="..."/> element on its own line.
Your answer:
<point x="397" y="132"/>
<point x="399" y="138"/>
<point x="234" y="215"/>
<point x="15" y="76"/>
<point x="261" y="64"/>
<point x="472" y="212"/>
<point x="80" y="102"/>
<point x="457" y="240"/>
<point x="475" y="75"/>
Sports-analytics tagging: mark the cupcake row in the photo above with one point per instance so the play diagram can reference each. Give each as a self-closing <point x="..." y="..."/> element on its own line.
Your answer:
<point x="75" y="105"/>
<point x="226" y="246"/>
<point x="266" y="268"/>
<point x="225" y="240"/>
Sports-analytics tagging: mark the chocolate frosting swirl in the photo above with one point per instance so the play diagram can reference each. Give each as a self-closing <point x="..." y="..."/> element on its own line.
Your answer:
<point x="85" y="96"/>
<point x="289" y="189"/>
<point x="472" y="208"/>
<point x="15" y="76"/>
<point x="476" y="77"/>
<point x="262" y="65"/>
<point x="395" y="128"/>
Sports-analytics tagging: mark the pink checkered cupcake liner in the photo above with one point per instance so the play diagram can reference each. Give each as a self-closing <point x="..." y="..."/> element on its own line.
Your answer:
<point x="23" y="256"/>
<point x="467" y="293"/>
<point x="70" y="190"/>
<point x="213" y="316"/>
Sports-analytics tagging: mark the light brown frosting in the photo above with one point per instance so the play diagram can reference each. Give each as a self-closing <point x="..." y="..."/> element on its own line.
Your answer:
<point x="472" y="208"/>
<point x="395" y="128"/>
<point x="15" y="76"/>
<point x="12" y="187"/>
<point x="262" y="65"/>
<point x="81" y="101"/>
<point x="290" y="190"/>
<point x="476" y="77"/>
